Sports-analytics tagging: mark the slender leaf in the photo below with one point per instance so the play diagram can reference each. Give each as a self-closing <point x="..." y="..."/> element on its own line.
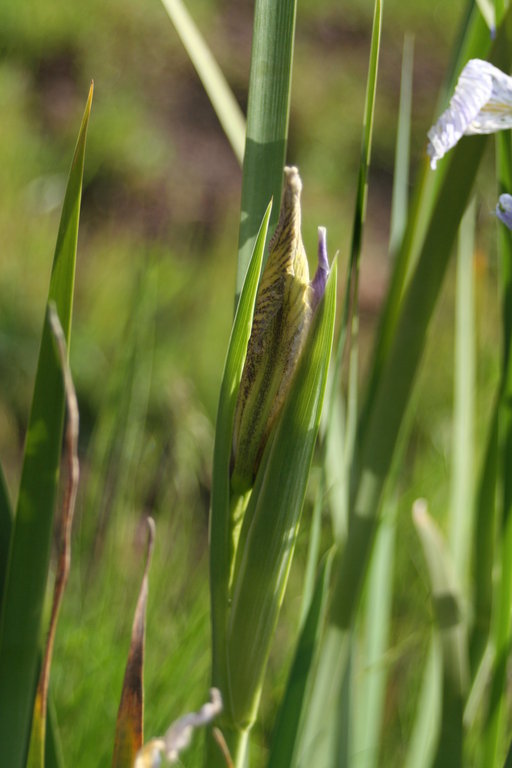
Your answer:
<point x="484" y="544"/>
<point x="25" y="587"/>
<point x="501" y="627"/>
<point x="425" y="734"/>
<point x="452" y="629"/>
<point x="5" y="528"/>
<point x="372" y="670"/>
<point x="267" y="120"/>
<point x="461" y="516"/>
<point x="399" y="202"/>
<point x="352" y="300"/>
<point x="286" y="730"/>
<point x="130" y="717"/>
<point x="215" y="84"/>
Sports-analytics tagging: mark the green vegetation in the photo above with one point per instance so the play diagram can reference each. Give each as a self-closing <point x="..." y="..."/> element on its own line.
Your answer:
<point x="383" y="651"/>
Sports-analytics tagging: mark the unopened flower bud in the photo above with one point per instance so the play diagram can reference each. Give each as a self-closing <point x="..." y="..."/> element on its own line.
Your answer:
<point x="284" y="307"/>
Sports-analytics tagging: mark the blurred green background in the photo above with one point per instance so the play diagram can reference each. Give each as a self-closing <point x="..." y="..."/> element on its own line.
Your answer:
<point x="154" y="300"/>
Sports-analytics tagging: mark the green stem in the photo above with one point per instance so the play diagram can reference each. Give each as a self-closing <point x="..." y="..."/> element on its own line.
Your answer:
<point x="267" y="120"/>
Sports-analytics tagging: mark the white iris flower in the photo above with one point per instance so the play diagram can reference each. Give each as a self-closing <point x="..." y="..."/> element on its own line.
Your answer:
<point x="482" y="103"/>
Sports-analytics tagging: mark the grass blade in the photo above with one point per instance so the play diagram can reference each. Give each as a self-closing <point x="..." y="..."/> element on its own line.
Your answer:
<point x="352" y="298"/>
<point x="24" y="588"/>
<point x="452" y="630"/>
<point x="501" y="629"/>
<point x="400" y="203"/>
<point x="462" y="508"/>
<point x="267" y="120"/>
<point x="484" y="545"/>
<point x="130" y="717"/>
<point x="220" y="94"/>
<point x="372" y="672"/>
<point x="425" y="734"/>
<point x="5" y="527"/>
<point x="286" y="731"/>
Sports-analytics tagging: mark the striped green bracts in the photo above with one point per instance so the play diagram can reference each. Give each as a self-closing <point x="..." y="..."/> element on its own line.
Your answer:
<point x="284" y="308"/>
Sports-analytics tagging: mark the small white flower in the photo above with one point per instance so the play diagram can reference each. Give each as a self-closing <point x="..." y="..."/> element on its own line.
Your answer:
<point x="504" y="210"/>
<point x="482" y="103"/>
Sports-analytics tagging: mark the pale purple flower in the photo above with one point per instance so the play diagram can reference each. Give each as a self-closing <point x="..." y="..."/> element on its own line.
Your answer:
<point x="482" y="103"/>
<point x="504" y="210"/>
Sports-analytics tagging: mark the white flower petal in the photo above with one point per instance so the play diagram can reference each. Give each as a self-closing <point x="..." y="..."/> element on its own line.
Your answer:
<point x="482" y="103"/>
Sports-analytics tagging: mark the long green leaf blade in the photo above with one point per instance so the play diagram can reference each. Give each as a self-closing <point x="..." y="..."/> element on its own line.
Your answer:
<point x="286" y="731"/>
<point x="25" y="586"/>
<point x="462" y="510"/>
<point x="501" y="629"/>
<point x="267" y="120"/>
<point x="6" y="517"/>
<point x="452" y="631"/>
<point x="221" y="96"/>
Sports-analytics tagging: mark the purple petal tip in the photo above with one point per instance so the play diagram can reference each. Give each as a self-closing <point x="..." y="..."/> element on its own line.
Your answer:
<point x="322" y="273"/>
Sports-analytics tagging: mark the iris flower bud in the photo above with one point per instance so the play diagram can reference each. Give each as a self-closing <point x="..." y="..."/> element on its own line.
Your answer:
<point x="284" y="307"/>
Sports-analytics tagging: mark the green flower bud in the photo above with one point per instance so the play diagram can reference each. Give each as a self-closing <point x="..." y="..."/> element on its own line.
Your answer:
<point x="282" y="316"/>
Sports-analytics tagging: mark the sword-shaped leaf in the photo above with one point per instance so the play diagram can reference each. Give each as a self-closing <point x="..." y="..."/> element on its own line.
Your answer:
<point x="25" y="587"/>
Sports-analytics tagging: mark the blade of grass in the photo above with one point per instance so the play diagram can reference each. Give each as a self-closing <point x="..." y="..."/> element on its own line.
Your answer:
<point x="5" y="528"/>
<point x="349" y="324"/>
<point x="36" y="754"/>
<point x="399" y="201"/>
<point x="461" y="517"/>
<point x="25" y="587"/>
<point x="372" y="673"/>
<point x="501" y="628"/>
<point x="284" y="737"/>
<point x="425" y="733"/>
<point x="371" y="678"/>
<point x="452" y="629"/>
<point x="357" y="236"/>
<point x="130" y="717"/>
<point x="220" y="94"/>
<point x="267" y="121"/>
<point x="484" y="545"/>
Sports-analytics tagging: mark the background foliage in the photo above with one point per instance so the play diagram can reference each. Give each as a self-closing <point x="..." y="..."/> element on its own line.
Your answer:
<point x="155" y="279"/>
